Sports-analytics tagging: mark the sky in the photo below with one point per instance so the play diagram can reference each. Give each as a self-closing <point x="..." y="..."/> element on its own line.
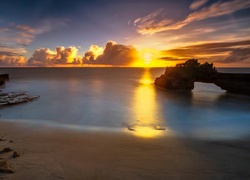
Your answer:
<point x="144" y="33"/>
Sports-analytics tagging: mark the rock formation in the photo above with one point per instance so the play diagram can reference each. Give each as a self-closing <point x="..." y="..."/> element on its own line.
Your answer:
<point x="3" y="78"/>
<point x="15" y="98"/>
<point x="11" y="98"/>
<point x="5" y="167"/>
<point x="183" y="76"/>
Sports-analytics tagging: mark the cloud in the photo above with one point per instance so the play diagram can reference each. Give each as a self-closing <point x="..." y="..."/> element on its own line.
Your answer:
<point x="20" y="34"/>
<point x="16" y="35"/>
<point x="10" y="56"/>
<point x="42" y="56"/>
<point x="2" y="30"/>
<point x="10" y="60"/>
<point x="218" y="52"/>
<point x="93" y="53"/>
<point x="238" y="55"/>
<point x="197" y="3"/>
<point x="62" y="55"/>
<point x="113" y="54"/>
<point x="26" y="34"/>
<point x="66" y="55"/>
<point x="8" y="50"/>
<point x="151" y="23"/>
<point x="154" y="22"/>
<point x="168" y="58"/>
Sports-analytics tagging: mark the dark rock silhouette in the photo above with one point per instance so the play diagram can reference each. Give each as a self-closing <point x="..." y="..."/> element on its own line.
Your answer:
<point x="16" y="154"/>
<point x="3" y="78"/>
<point x="6" y="150"/>
<point x="183" y="76"/>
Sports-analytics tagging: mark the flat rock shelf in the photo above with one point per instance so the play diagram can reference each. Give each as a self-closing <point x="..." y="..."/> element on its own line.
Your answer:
<point x="11" y="98"/>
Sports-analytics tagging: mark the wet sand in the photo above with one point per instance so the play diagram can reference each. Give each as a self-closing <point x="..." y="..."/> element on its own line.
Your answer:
<point x="56" y="153"/>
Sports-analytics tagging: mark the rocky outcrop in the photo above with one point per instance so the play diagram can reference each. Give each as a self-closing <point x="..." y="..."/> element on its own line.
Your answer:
<point x="15" y="98"/>
<point x="3" y="78"/>
<point x="183" y="76"/>
<point x="234" y="83"/>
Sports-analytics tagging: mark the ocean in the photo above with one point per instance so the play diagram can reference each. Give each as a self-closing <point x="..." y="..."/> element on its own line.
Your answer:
<point x="115" y="98"/>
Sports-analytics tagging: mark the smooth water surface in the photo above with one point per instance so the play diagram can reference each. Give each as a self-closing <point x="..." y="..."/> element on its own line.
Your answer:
<point x="118" y="97"/>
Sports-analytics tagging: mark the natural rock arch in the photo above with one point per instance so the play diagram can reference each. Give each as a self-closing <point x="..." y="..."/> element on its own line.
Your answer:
<point x="183" y="76"/>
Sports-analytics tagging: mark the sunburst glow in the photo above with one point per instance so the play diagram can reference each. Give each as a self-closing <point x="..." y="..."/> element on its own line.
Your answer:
<point x="149" y="58"/>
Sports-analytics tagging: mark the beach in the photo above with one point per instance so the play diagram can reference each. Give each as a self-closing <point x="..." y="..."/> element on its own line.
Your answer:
<point x="49" y="152"/>
<point x="125" y="90"/>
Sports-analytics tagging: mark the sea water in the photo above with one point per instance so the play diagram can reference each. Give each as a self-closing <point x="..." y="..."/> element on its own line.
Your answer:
<point x="120" y="97"/>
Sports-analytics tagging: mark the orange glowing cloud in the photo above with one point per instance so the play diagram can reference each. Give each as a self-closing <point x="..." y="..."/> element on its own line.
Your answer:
<point x="62" y="55"/>
<point x="111" y="54"/>
<point x="6" y="60"/>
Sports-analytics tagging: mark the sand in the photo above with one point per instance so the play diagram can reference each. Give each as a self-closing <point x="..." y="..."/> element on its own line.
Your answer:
<point x="59" y="153"/>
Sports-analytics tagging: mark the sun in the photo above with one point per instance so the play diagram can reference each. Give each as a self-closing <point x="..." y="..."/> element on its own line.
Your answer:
<point x="147" y="57"/>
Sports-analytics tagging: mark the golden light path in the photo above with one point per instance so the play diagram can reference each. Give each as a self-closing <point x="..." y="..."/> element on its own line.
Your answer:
<point x="145" y="109"/>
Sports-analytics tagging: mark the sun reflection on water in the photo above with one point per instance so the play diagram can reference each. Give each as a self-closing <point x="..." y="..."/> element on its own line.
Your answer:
<point x="145" y="109"/>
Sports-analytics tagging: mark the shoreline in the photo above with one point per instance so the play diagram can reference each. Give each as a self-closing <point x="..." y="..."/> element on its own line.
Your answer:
<point x="57" y="153"/>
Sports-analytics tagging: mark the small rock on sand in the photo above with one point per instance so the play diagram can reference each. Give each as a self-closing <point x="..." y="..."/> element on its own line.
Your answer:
<point x="6" y="150"/>
<point x="5" y="167"/>
<point x="16" y="154"/>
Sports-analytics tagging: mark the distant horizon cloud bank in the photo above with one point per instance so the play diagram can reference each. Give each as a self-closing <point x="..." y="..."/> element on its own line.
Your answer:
<point x="114" y="54"/>
<point x="111" y="54"/>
